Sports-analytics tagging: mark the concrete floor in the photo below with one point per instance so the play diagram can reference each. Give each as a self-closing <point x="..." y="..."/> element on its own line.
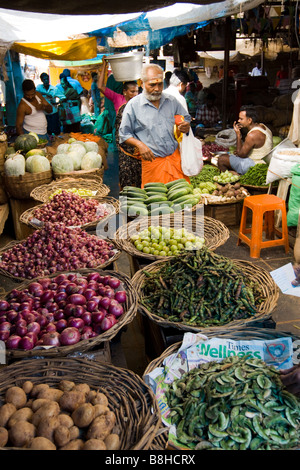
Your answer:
<point x="128" y="348"/>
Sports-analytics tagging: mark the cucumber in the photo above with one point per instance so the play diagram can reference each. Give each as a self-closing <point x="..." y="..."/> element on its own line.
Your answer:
<point x="178" y="193"/>
<point x="161" y="203"/>
<point x="156" y="198"/>
<point x="130" y="200"/>
<point x="156" y="189"/>
<point x="180" y="205"/>
<point x="136" y="203"/>
<point x="186" y="197"/>
<point x="157" y="185"/>
<point x="180" y="185"/>
<point x="133" y="188"/>
<point x="171" y="183"/>
<point x="133" y="211"/>
<point x="135" y="194"/>
<point x="156" y="193"/>
<point x="162" y="210"/>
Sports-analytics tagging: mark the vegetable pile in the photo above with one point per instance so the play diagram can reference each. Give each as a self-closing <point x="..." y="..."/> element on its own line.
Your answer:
<point x="210" y="148"/>
<point x="79" y="191"/>
<point x="158" y="198"/>
<point x="68" y="417"/>
<point x="206" y="175"/>
<point x="76" y="155"/>
<point x="200" y="288"/>
<point x="226" y="177"/>
<point x="61" y="311"/>
<point x="55" y="248"/>
<point x="256" y="175"/>
<point x="236" y="404"/>
<point x="70" y="209"/>
<point x="163" y="241"/>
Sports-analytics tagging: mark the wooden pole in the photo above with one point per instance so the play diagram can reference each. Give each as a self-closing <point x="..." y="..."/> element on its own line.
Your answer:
<point x="226" y="68"/>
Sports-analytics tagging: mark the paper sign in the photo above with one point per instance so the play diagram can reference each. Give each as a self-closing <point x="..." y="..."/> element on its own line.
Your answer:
<point x="283" y="277"/>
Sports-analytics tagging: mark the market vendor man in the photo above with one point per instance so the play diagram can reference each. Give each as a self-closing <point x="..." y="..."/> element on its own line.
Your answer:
<point x="148" y="125"/>
<point x="31" y="112"/>
<point x="257" y="144"/>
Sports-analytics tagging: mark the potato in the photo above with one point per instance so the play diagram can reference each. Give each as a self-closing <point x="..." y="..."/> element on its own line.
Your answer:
<point x="100" y="410"/>
<point x="45" y="411"/>
<point x="38" y="402"/>
<point x="3" y="436"/>
<point x="37" y="388"/>
<point x="61" y="436"/>
<point x="69" y="401"/>
<point x="65" y="420"/>
<point x="83" y="415"/>
<point x="21" y="433"/>
<point x="85" y="388"/>
<point x="16" y="396"/>
<point x="66" y="385"/>
<point x="112" y="442"/>
<point x="47" y="426"/>
<point x="41" y="443"/>
<point x="91" y="395"/>
<point x="6" y="411"/>
<point x="99" y="399"/>
<point x="50" y="394"/>
<point x="74" y="432"/>
<point x="101" y="426"/>
<point x="75" y="444"/>
<point x="94" y="444"/>
<point x="27" y="386"/>
<point x="22" y="414"/>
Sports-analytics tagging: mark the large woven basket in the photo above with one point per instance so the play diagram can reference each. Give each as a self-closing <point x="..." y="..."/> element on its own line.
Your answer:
<point x="244" y="334"/>
<point x="27" y="217"/>
<point x="270" y="294"/>
<point x="130" y="309"/>
<point x="43" y="193"/>
<point x="14" y="243"/>
<point x="20" y="187"/>
<point x="94" y="174"/>
<point x="214" y="232"/>
<point x="138" y="420"/>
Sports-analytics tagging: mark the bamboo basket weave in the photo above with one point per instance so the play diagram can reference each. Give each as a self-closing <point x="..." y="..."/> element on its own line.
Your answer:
<point x="20" y="187"/>
<point x="270" y="294"/>
<point x="130" y="310"/>
<point x="94" y="174"/>
<point x="43" y="193"/>
<point x="27" y="217"/>
<point x="12" y="244"/>
<point x="214" y="232"/>
<point x="138" y="420"/>
<point x="245" y="334"/>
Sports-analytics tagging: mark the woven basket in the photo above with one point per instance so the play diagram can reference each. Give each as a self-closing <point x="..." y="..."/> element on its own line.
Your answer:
<point x="20" y="187"/>
<point x="27" y="217"/>
<point x="245" y="334"/>
<point x="270" y="294"/>
<point x="130" y="309"/>
<point x="94" y="174"/>
<point x="214" y="232"/>
<point x="132" y="401"/>
<point x="13" y="243"/>
<point x="43" y="193"/>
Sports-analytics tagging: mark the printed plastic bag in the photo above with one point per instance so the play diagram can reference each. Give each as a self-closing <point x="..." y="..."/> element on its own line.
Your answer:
<point x="191" y="154"/>
<point x="281" y="164"/>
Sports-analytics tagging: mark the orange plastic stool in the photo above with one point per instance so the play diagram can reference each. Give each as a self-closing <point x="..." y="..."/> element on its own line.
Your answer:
<point x="263" y="207"/>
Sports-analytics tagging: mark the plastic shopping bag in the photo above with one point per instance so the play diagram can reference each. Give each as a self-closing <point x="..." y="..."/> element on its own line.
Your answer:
<point x="191" y="154"/>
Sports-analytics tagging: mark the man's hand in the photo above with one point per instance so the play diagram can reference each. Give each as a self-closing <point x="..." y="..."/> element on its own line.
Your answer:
<point x="237" y="127"/>
<point x="184" y="127"/>
<point x="291" y="379"/>
<point x="145" y="152"/>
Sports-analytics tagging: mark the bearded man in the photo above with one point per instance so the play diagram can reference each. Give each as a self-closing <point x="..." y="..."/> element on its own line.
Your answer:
<point x="148" y="125"/>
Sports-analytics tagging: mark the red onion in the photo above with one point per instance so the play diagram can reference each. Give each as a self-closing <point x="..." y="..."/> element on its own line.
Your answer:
<point x="105" y="302"/>
<point x="51" y="339"/>
<point x="87" y="318"/>
<point x="120" y="296"/>
<point x="4" y="305"/>
<point x="13" y="342"/>
<point x="115" y="308"/>
<point x="36" y="289"/>
<point x="34" y="326"/>
<point x="86" y="332"/>
<point x="114" y="282"/>
<point x="77" y="299"/>
<point x="76" y="322"/>
<point x="69" y="336"/>
<point x="61" y="324"/>
<point x="4" y="335"/>
<point x="26" y="343"/>
<point x="98" y="316"/>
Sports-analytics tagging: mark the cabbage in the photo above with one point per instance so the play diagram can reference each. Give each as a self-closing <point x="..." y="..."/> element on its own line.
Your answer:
<point x="14" y="165"/>
<point x="75" y="147"/>
<point x="37" y="164"/>
<point x="91" y="160"/>
<point x="91" y="146"/>
<point x="62" y="163"/>
<point x="76" y="159"/>
<point x="62" y="148"/>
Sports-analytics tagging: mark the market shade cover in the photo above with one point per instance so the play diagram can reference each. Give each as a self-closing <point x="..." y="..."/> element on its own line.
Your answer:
<point x="91" y="7"/>
<point x="77" y="49"/>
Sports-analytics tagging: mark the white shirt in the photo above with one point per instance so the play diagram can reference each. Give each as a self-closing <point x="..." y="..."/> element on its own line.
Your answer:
<point x="173" y="91"/>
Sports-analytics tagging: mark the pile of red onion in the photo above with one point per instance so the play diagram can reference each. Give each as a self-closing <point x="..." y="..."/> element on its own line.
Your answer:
<point x="55" y="248"/>
<point x="70" y="209"/>
<point x="61" y="311"/>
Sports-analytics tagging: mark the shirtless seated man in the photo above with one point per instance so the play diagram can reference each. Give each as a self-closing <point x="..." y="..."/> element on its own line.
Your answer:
<point x="257" y="144"/>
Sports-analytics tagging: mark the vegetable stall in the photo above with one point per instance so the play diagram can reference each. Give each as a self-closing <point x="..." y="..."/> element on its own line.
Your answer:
<point x="69" y="302"/>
